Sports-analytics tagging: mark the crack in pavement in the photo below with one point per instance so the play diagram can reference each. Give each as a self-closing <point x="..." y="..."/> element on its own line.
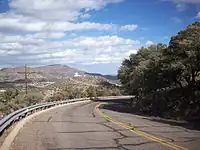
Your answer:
<point x="93" y="115"/>
<point x="117" y="140"/>
<point x="88" y="131"/>
<point x="49" y="119"/>
<point x="111" y="147"/>
<point x="64" y="122"/>
<point x="105" y="147"/>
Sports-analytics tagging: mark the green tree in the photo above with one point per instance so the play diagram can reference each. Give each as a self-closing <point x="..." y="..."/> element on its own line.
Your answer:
<point x="184" y="55"/>
<point x="140" y="72"/>
<point x="166" y="78"/>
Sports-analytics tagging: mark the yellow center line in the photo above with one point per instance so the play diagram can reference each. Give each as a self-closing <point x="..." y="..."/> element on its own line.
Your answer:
<point x="138" y="132"/>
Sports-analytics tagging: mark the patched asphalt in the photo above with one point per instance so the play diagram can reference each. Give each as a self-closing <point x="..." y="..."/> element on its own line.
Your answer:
<point x="79" y="126"/>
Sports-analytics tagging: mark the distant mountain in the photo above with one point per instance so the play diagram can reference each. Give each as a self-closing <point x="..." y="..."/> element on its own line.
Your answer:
<point x="17" y="73"/>
<point x="109" y="77"/>
<point x="58" y="71"/>
<point x="48" y="73"/>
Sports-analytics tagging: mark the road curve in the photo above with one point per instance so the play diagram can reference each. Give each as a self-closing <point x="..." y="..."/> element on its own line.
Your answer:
<point x="81" y="127"/>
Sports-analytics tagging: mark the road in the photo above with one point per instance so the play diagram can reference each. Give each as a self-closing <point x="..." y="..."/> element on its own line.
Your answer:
<point x="81" y="126"/>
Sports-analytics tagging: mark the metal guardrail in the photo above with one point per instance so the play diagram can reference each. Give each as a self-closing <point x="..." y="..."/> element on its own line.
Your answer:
<point x="23" y="112"/>
<point x="6" y="121"/>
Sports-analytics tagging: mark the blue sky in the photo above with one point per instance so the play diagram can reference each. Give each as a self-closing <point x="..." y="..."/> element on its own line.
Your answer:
<point x="92" y="35"/>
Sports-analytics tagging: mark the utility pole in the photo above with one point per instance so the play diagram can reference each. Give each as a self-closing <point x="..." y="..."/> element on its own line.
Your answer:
<point x="26" y="81"/>
<point x="26" y="77"/>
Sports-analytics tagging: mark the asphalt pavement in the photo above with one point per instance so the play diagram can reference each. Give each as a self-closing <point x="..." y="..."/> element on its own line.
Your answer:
<point x="82" y="127"/>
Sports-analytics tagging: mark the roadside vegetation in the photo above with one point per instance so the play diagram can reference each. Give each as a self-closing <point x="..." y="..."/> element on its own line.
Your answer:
<point x="166" y="78"/>
<point x="70" y="92"/>
<point x="15" y="98"/>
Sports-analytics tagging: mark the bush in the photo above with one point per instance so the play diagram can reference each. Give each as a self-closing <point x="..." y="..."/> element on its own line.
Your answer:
<point x="8" y="95"/>
<point x="56" y="97"/>
<point x="91" y="91"/>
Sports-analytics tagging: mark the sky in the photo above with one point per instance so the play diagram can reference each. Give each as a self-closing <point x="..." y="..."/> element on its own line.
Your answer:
<point x="91" y="35"/>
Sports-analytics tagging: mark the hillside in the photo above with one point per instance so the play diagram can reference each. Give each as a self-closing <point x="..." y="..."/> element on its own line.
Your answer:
<point x="46" y="73"/>
<point x="49" y="83"/>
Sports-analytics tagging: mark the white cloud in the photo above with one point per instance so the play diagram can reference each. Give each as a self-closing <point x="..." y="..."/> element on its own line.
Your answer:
<point x="128" y="53"/>
<point x="130" y="27"/>
<point x="49" y="35"/>
<point x="181" y="5"/>
<point x="38" y="49"/>
<point x="10" y="46"/>
<point x="52" y="15"/>
<point x="12" y="22"/>
<point x="67" y="10"/>
<point x="38" y="32"/>
<point x="149" y="43"/>
<point x="85" y="16"/>
<point x="82" y="50"/>
<point x="103" y="41"/>
<point x="24" y="40"/>
<point x="198" y="15"/>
